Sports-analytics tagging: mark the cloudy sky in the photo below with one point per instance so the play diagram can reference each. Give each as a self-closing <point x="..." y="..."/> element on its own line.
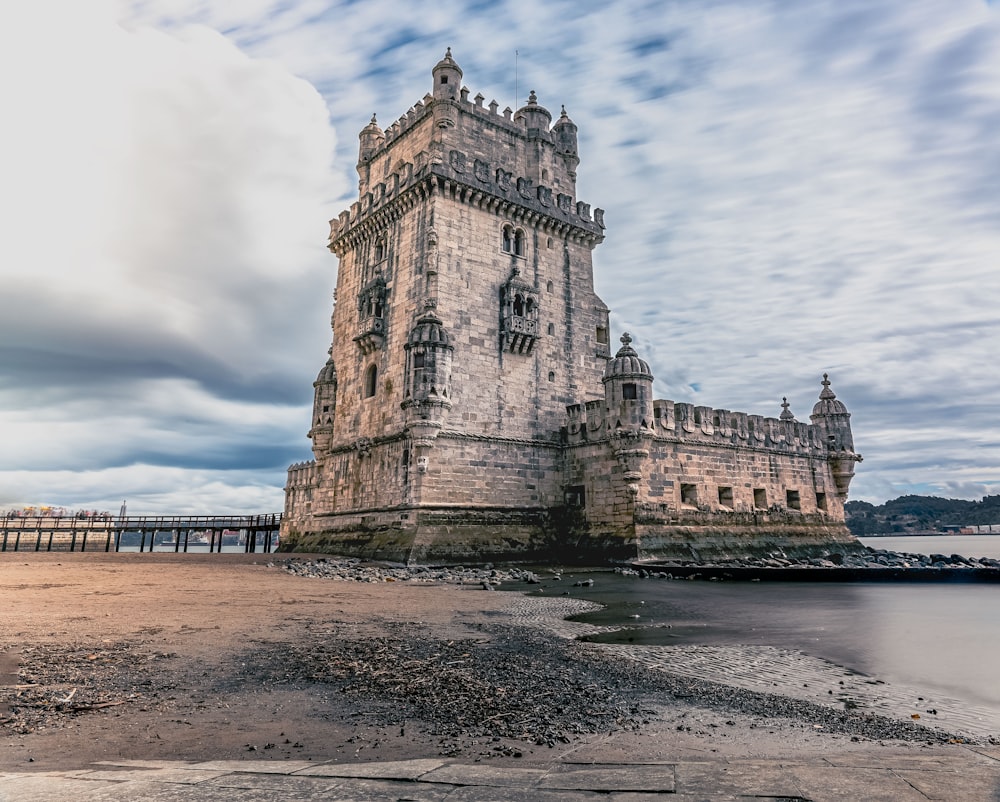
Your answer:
<point x="791" y="187"/>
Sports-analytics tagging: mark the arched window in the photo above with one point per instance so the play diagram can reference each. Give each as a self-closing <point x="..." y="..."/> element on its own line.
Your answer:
<point x="519" y="243"/>
<point x="371" y="381"/>
<point x="507" y="239"/>
<point x="519" y="305"/>
<point x="552" y="328"/>
<point x="380" y="249"/>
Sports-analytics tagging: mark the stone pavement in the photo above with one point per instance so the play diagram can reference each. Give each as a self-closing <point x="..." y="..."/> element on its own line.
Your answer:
<point x="969" y="774"/>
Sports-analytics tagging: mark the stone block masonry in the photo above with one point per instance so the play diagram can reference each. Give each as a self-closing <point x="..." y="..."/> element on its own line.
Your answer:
<point x="470" y="407"/>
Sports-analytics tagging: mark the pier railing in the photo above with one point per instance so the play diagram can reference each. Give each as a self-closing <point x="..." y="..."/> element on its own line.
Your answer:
<point x="212" y="534"/>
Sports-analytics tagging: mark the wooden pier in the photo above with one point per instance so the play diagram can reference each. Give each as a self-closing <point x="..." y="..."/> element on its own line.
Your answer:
<point x="163" y="533"/>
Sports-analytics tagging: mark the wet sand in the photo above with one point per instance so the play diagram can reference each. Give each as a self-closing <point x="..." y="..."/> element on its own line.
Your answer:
<point x="198" y="657"/>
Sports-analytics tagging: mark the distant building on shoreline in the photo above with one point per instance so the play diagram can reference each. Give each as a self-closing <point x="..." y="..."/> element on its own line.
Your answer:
<point x="472" y="407"/>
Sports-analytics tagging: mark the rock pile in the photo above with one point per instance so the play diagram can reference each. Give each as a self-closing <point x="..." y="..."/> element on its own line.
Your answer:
<point x="354" y="570"/>
<point x="874" y="560"/>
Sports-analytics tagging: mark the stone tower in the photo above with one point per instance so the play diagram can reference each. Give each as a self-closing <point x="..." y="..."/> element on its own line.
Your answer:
<point x="465" y="322"/>
<point x="470" y="408"/>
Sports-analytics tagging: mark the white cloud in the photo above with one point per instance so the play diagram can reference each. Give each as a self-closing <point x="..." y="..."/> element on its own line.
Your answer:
<point x="790" y="188"/>
<point x="170" y="196"/>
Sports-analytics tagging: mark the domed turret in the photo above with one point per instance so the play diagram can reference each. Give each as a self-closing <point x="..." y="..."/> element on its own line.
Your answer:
<point x="628" y="389"/>
<point x="428" y="364"/>
<point x="627" y="363"/>
<point x="324" y="407"/>
<point x="564" y="136"/>
<point x="828" y="403"/>
<point x="428" y="331"/>
<point x="536" y="118"/>
<point x="447" y="78"/>
<point x="831" y="417"/>
<point x="371" y="139"/>
<point x="427" y="395"/>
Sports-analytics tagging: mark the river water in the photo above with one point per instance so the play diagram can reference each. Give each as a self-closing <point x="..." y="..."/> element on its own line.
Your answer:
<point x="944" y="638"/>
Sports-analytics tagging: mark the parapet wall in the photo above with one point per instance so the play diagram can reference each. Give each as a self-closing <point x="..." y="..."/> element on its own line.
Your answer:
<point x="700" y="424"/>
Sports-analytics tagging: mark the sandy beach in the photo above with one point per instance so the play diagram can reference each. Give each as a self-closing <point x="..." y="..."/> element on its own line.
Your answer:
<point x="229" y="657"/>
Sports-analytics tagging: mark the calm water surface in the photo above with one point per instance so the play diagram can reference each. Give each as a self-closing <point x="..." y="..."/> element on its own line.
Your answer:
<point x="943" y="638"/>
<point x="966" y="545"/>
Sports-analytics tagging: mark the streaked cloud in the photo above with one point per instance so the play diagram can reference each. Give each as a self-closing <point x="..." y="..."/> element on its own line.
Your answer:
<point x="791" y="188"/>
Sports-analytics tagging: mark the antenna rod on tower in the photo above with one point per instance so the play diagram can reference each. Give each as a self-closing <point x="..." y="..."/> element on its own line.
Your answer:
<point x="515" y="79"/>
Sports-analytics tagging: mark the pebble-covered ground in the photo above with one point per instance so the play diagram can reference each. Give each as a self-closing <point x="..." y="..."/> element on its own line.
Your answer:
<point x="520" y="682"/>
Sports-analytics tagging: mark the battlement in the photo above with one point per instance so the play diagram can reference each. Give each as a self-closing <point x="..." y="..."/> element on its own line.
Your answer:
<point x="302" y="474"/>
<point x="463" y="141"/>
<point x="699" y="424"/>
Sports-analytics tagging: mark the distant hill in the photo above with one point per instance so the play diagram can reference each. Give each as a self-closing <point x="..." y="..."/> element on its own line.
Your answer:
<point x="912" y="514"/>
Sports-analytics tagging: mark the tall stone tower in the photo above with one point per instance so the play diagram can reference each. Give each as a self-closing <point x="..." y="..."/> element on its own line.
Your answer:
<point x="465" y="323"/>
<point x="470" y="408"/>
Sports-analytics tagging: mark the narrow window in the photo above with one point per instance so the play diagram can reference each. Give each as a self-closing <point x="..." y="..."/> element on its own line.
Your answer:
<point x="552" y="328"/>
<point x="548" y="287"/>
<point x="371" y="381"/>
<point x="629" y="392"/>
<point x="760" y="498"/>
<point x="379" y="249"/>
<point x="689" y="495"/>
<point x="792" y="499"/>
<point x="519" y="243"/>
<point x="505" y="239"/>
<point x="444" y="79"/>
<point x="821" y="501"/>
<point x="418" y="360"/>
<point x="519" y="305"/>
<point x="552" y="376"/>
<point x="726" y="497"/>
<point x="602" y="335"/>
<point x="576" y="496"/>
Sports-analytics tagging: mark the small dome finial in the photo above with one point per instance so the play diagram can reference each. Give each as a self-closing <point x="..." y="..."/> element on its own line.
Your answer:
<point x="373" y="120"/>
<point x="786" y="413"/>
<point x="826" y="392"/>
<point x="532" y="98"/>
<point x="447" y="53"/>
<point x="626" y="338"/>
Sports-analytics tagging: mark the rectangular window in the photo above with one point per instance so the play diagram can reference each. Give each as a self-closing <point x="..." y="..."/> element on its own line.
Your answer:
<point x="576" y="496"/>
<point x="602" y="335"/>
<point x="821" y="501"/>
<point x="759" y="498"/>
<point x="689" y="495"/>
<point x="628" y="392"/>
<point x="792" y="499"/>
<point x="726" y="497"/>
<point x="418" y="360"/>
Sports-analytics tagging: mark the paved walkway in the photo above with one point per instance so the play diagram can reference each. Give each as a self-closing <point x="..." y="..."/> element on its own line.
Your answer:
<point x="961" y="773"/>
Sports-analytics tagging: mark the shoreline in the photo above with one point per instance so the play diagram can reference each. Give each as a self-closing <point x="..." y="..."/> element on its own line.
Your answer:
<point x="236" y="658"/>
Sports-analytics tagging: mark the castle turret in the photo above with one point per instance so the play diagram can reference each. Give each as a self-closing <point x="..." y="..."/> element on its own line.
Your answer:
<point x="370" y="139"/>
<point x="427" y="394"/>
<point x="628" y="393"/>
<point x="447" y="78"/>
<point x="536" y="118"/>
<point x="834" y="421"/>
<point x="564" y="136"/>
<point x="628" y="389"/>
<point x="324" y="408"/>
